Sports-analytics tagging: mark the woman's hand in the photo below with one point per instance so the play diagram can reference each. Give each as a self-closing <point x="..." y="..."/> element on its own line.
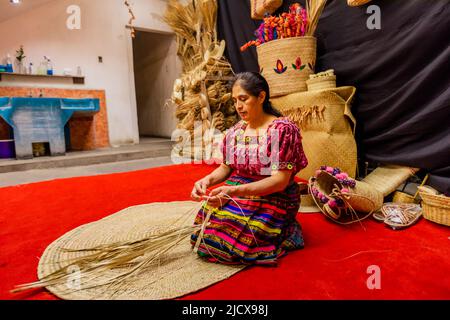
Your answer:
<point x="220" y="196"/>
<point x="199" y="189"/>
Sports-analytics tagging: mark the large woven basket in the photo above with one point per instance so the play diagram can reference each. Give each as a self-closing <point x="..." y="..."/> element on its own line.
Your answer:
<point x="436" y="208"/>
<point x="278" y="61"/>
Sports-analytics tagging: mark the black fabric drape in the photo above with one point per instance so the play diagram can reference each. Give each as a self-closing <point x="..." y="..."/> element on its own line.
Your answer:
<point x="401" y="73"/>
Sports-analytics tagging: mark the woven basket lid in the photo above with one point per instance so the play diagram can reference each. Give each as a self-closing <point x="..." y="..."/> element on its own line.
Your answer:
<point x="177" y="273"/>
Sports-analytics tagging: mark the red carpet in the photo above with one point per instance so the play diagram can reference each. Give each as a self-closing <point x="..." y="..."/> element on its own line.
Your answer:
<point x="414" y="263"/>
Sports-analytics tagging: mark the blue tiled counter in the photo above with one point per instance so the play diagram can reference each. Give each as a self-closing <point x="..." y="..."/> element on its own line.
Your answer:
<point x="42" y="120"/>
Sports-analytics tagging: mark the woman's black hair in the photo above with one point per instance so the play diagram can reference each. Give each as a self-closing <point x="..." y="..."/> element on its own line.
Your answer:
<point x="254" y="84"/>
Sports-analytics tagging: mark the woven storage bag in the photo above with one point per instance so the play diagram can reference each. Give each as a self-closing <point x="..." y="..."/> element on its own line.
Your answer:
<point x="327" y="126"/>
<point x="287" y="63"/>
<point x="356" y="3"/>
<point x="436" y="208"/>
<point x="260" y="7"/>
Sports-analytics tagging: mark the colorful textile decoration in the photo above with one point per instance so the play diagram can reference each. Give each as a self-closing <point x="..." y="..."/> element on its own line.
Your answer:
<point x="298" y="64"/>
<point x="280" y="67"/>
<point x="258" y="229"/>
<point x="289" y="24"/>
<point x="343" y="178"/>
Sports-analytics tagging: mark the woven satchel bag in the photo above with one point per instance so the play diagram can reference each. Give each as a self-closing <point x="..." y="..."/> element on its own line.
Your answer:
<point x="261" y="7"/>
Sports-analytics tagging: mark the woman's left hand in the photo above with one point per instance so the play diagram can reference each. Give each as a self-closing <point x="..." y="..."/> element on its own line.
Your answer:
<point x="220" y="196"/>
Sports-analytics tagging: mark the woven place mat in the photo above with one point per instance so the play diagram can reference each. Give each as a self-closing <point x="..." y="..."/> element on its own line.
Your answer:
<point x="178" y="273"/>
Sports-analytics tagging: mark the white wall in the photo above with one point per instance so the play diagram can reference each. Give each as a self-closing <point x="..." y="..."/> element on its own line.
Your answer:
<point x="43" y="31"/>
<point x="156" y="68"/>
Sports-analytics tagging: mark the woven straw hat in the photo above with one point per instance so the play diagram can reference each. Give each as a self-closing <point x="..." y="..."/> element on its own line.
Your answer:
<point x="177" y="273"/>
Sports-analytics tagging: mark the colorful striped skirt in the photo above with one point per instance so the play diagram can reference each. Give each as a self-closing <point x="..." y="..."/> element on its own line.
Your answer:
<point x="257" y="230"/>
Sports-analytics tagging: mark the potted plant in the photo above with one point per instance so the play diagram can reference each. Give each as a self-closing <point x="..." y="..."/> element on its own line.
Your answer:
<point x="20" y="58"/>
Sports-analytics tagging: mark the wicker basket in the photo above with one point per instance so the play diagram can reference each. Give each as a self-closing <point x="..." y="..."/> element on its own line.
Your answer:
<point x="322" y="81"/>
<point x="436" y="208"/>
<point x="403" y="197"/>
<point x="287" y="64"/>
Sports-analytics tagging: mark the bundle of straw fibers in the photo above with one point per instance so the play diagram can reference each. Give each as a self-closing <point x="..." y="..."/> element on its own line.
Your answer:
<point x="202" y="89"/>
<point x="327" y="126"/>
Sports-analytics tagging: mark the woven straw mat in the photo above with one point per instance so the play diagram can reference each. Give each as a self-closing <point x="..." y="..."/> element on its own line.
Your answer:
<point x="180" y="272"/>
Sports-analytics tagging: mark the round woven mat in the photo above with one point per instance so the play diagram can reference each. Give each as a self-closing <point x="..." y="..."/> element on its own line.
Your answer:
<point x="178" y="273"/>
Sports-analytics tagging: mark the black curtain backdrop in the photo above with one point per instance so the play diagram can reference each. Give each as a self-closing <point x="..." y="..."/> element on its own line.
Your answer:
<point x="401" y="73"/>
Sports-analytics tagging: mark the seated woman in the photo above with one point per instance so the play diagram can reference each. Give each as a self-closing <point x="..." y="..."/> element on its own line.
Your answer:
<point x="253" y="216"/>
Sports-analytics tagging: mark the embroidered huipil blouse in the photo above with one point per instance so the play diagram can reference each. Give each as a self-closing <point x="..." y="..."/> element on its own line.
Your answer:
<point x="279" y="148"/>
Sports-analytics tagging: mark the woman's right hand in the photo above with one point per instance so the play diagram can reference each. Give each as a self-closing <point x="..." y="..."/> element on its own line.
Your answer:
<point x="199" y="189"/>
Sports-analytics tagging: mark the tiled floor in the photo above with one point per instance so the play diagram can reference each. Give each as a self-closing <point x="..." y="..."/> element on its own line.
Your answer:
<point x="150" y="153"/>
<point x="31" y="176"/>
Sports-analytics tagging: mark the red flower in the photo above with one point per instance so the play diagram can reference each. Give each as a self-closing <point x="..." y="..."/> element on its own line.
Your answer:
<point x="280" y="67"/>
<point x="298" y="64"/>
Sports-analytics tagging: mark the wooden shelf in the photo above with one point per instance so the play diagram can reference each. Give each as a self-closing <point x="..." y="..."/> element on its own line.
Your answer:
<point x="75" y="79"/>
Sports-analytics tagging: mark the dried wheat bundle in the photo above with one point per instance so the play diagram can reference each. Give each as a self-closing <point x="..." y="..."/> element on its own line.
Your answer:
<point x="202" y="93"/>
<point x="314" y="9"/>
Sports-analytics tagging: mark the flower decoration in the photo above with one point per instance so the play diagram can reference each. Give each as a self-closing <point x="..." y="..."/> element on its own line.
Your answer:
<point x="334" y="201"/>
<point x="280" y="67"/>
<point x="298" y="64"/>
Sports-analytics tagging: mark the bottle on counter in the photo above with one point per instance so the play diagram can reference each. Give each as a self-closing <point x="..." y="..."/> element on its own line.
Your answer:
<point x="49" y="67"/>
<point x="30" y="68"/>
<point x="9" y="64"/>
<point x="42" y="70"/>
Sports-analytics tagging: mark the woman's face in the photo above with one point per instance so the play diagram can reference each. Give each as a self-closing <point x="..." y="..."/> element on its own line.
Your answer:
<point x="248" y="107"/>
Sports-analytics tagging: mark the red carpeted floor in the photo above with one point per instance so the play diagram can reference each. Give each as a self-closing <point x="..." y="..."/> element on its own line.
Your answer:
<point x="414" y="263"/>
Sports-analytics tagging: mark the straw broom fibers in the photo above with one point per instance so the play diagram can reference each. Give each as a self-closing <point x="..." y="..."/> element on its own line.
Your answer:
<point x="201" y="94"/>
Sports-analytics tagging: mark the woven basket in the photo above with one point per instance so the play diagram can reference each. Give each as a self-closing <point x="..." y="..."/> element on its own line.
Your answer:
<point x="356" y="3"/>
<point x="436" y="208"/>
<point x="322" y="81"/>
<point x="260" y="7"/>
<point x="402" y="197"/>
<point x="327" y="126"/>
<point x="277" y="61"/>
<point x="363" y="199"/>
